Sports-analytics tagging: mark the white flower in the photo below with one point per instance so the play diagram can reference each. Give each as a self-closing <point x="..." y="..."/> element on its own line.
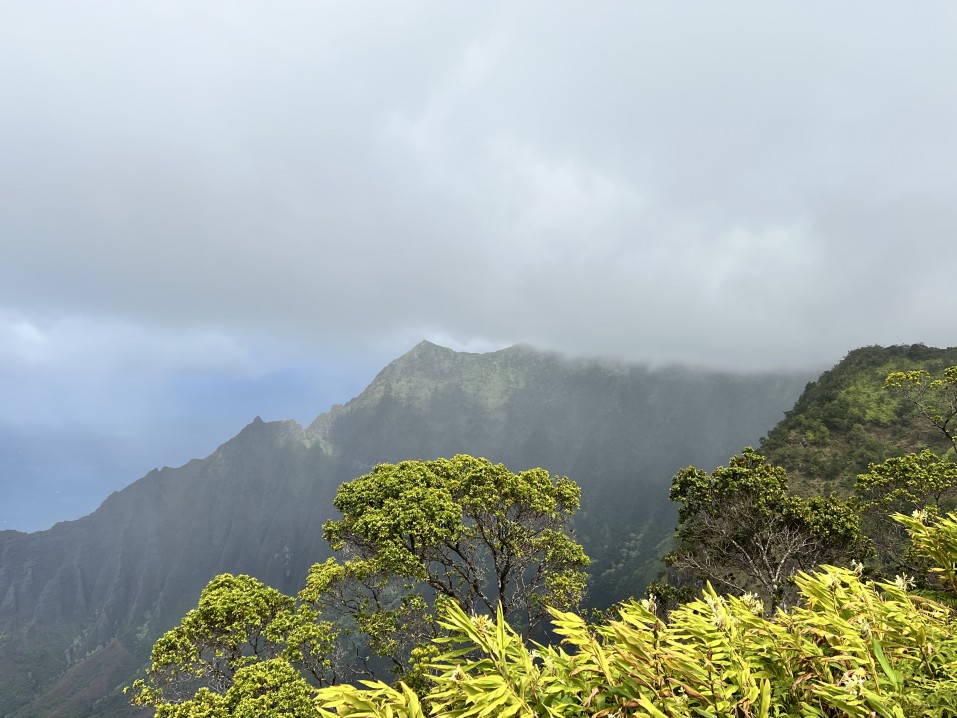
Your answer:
<point x="854" y="680"/>
<point x="719" y="612"/>
<point x="753" y="603"/>
<point x="904" y="583"/>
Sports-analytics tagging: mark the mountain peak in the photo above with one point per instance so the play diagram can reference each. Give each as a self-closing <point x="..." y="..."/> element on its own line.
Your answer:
<point x="427" y="348"/>
<point x="428" y="369"/>
<point x="426" y="344"/>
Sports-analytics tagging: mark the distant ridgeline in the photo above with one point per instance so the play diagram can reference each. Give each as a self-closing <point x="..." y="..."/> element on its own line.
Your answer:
<point x="82" y="603"/>
<point x="847" y="419"/>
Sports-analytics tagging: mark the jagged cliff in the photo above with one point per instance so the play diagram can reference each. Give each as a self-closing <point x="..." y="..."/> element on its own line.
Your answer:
<point x="87" y="598"/>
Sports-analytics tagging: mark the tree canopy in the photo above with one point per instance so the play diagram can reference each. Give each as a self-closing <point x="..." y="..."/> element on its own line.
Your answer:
<point x="740" y="528"/>
<point x="471" y="530"/>
<point x="239" y="625"/>
<point x="920" y="481"/>
<point x="460" y="529"/>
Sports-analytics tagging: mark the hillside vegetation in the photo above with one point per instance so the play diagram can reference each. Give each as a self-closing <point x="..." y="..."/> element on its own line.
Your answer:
<point x="847" y="419"/>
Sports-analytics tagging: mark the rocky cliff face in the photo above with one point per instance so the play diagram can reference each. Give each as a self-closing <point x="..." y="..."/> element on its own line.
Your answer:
<point x="88" y="597"/>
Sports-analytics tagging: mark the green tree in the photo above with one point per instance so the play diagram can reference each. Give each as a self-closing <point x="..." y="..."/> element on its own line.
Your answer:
<point x="935" y="399"/>
<point x="847" y="648"/>
<point x="740" y="529"/>
<point x="460" y="529"/>
<point x="270" y="689"/>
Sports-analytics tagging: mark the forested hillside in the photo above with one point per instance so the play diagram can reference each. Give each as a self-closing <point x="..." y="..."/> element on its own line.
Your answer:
<point x="847" y="419"/>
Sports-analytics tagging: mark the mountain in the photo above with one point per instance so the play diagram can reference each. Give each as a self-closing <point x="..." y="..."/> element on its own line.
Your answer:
<point x="846" y="419"/>
<point x="81" y="603"/>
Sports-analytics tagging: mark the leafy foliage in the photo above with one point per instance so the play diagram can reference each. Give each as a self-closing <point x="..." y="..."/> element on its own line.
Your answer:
<point x="417" y="534"/>
<point x="851" y="649"/>
<point x="740" y="528"/>
<point x="846" y="648"/>
<point x="935" y="540"/>
<point x="270" y="689"/>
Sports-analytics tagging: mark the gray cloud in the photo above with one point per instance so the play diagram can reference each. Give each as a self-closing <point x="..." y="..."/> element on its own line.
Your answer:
<point x="738" y="184"/>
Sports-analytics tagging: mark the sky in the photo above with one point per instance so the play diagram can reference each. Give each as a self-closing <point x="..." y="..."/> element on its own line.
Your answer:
<point x="216" y="210"/>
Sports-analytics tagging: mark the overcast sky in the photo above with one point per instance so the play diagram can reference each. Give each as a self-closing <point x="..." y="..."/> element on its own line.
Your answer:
<point x="276" y="199"/>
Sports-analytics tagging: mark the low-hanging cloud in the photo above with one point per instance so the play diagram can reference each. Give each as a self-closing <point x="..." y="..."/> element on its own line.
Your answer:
<point x="741" y="185"/>
<point x="214" y="210"/>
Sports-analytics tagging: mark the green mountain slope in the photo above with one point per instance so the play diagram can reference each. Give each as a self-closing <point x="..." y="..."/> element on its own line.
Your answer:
<point x="847" y="419"/>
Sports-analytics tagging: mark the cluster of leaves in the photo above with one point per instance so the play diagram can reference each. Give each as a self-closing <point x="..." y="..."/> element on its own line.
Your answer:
<point x="239" y="626"/>
<point x="852" y="649"/>
<point x="936" y="542"/>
